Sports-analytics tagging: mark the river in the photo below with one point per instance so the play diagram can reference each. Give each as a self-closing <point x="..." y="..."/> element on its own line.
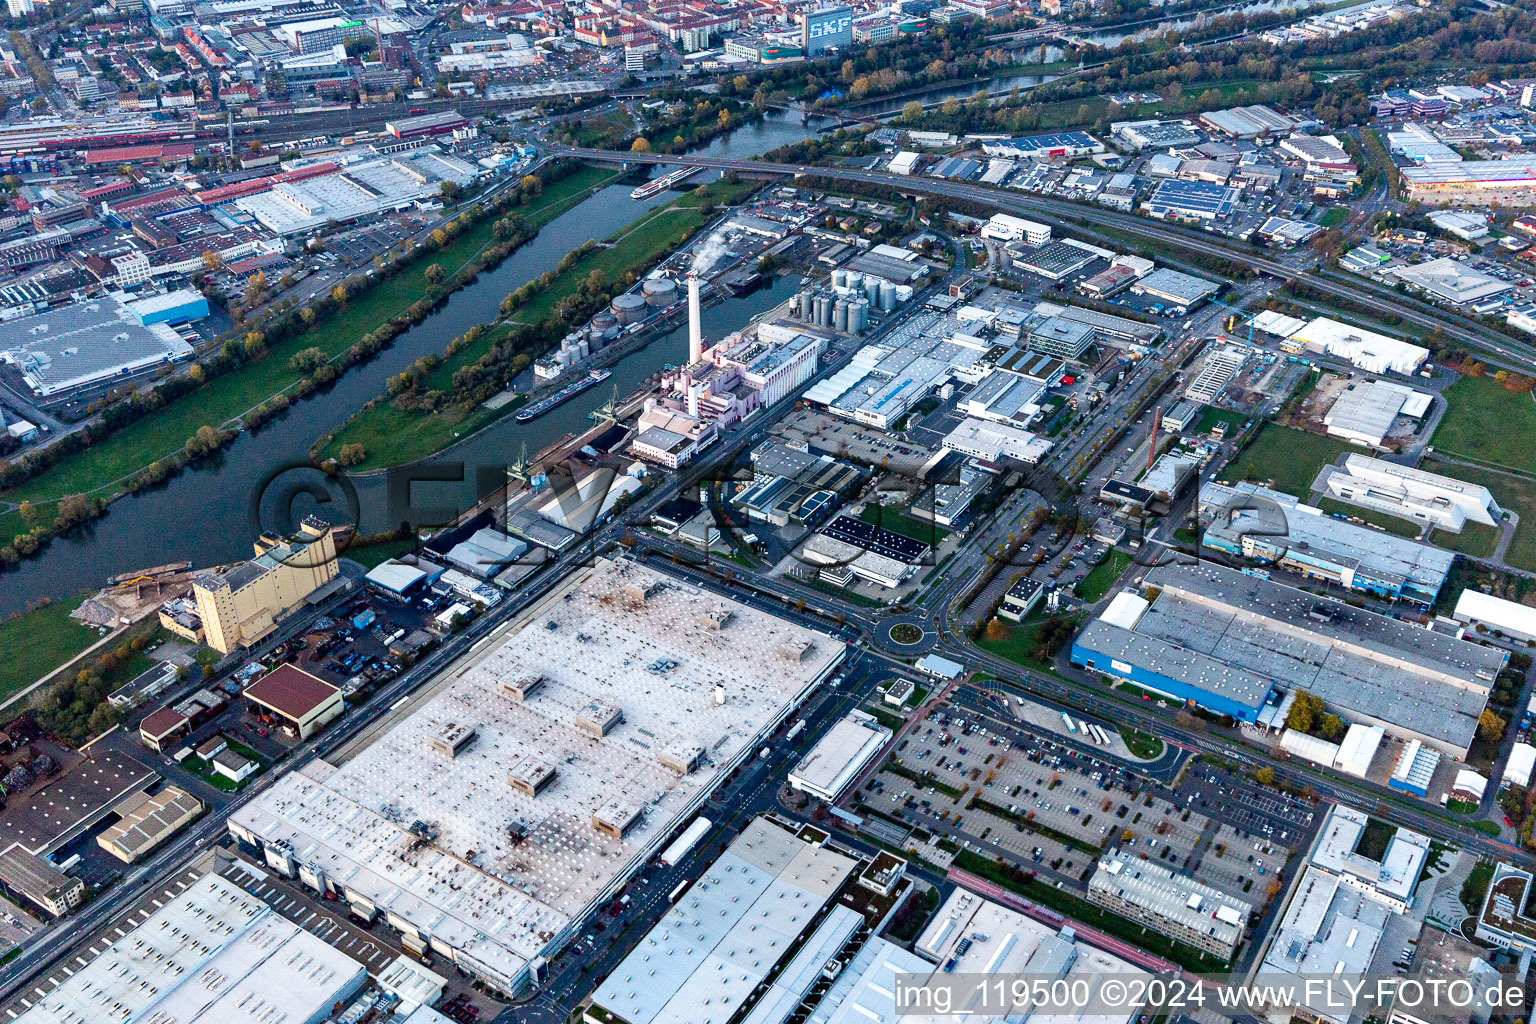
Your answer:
<point x="201" y="515"/>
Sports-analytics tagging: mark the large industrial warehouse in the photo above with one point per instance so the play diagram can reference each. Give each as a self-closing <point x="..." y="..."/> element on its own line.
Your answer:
<point x="211" y="953"/>
<point x="542" y="771"/>
<point x="1232" y="643"/>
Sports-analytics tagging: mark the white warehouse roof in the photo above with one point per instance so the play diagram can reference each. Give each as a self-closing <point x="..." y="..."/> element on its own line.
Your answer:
<point x="1372" y="352"/>
<point x="1522" y="759"/>
<point x="1495" y="612"/>
<point x="840" y="755"/>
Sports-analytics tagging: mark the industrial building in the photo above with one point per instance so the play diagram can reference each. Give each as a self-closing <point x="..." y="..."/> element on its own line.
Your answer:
<point x="1509" y="618"/>
<point x="848" y="547"/>
<point x="1352" y="755"/>
<point x="88" y="344"/>
<point x="1162" y="135"/>
<point x="1177" y="199"/>
<point x="238" y="606"/>
<point x="1249" y="122"/>
<point x="1451" y="280"/>
<point x="839" y="756"/>
<point x="144" y="822"/>
<point x="1271" y="527"/>
<point x="395" y="182"/>
<point x="1181" y="291"/>
<point x="212" y="952"/>
<point x="39" y="881"/>
<point x="973" y="935"/>
<point x="755" y="937"/>
<point x="1444" y="181"/>
<point x="1215" y="374"/>
<point x="1004" y="397"/>
<point x="1408" y="493"/>
<point x="1050" y="146"/>
<point x="883" y="381"/>
<point x="1021" y="598"/>
<point x="1228" y="641"/>
<point x="1008" y="228"/>
<point x="303" y="702"/>
<point x="1177" y="906"/>
<point x="994" y="442"/>
<point x="1371" y="352"/>
<point x="462" y="861"/>
<point x="1365" y="411"/>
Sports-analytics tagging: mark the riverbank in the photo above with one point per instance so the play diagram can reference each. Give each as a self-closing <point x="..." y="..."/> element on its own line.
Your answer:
<point x="392" y="436"/>
<point x="103" y="469"/>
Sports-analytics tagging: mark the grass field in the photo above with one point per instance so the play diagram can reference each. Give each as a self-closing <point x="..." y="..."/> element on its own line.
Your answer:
<point x="1017" y="643"/>
<point x="1102" y="576"/>
<point x="38" y="641"/>
<point x="103" y="466"/>
<point x="1485" y="423"/>
<point x="1141" y="744"/>
<point x="1392" y="524"/>
<point x="1335" y="216"/>
<point x="1287" y="458"/>
<point x="1475" y="539"/>
<point x="1516" y="493"/>
<point x="1210" y="416"/>
<point x="394" y="436"/>
<point x="370" y="555"/>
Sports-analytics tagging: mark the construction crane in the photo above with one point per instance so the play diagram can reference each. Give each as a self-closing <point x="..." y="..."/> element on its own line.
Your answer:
<point x="1232" y="320"/>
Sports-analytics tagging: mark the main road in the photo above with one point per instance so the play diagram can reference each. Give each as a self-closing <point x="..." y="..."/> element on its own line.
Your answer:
<point x="1520" y="355"/>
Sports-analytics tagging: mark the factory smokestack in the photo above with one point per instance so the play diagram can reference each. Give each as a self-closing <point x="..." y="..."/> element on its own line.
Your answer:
<point x="695" y="327"/>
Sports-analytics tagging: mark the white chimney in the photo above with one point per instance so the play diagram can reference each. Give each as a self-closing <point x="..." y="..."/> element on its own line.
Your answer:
<point x="719" y="695"/>
<point x="695" y="328"/>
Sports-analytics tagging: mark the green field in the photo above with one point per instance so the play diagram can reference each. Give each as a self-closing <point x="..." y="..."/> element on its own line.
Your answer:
<point x="103" y="466"/>
<point x="1392" y="524"/>
<point x="1017" y="643"/>
<point x="370" y="555"/>
<point x="1141" y="744"/>
<point x="1516" y="493"/>
<point x="1335" y="216"/>
<point x="1485" y="423"/>
<point x="1475" y="540"/>
<point x="1103" y="576"/>
<point x="1211" y="415"/>
<point x="1288" y="459"/>
<point x="394" y="436"/>
<point x="38" y="641"/>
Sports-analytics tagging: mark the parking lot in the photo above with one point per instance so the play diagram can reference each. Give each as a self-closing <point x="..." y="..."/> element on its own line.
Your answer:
<point x="361" y="245"/>
<point x="1277" y="817"/>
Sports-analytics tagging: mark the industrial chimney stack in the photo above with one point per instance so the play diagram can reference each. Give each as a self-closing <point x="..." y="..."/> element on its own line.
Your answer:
<point x="695" y="327"/>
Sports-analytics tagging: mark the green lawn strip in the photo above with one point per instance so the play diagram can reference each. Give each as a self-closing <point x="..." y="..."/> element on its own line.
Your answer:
<point x="39" y="640"/>
<point x="1076" y="907"/>
<point x="1017" y="644"/>
<point x="1103" y="576"/>
<point x="1040" y="828"/>
<point x="1516" y="493"/>
<point x="1485" y="423"/>
<point x="370" y="555"/>
<point x="1488" y="828"/>
<point x="1391" y="524"/>
<point x="1475" y="539"/>
<point x="392" y="436"/>
<point x="1289" y="458"/>
<point x="899" y="522"/>
<point x="226" y="398"/>
<point x="1143" y="745"/>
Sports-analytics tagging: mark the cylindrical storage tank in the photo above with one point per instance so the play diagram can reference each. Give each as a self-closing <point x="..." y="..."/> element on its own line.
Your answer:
<point x="819" y="310"/>
<point x="839" y="279"/>
<point x="659" y="292"/>
<point x="858" y="316"/>
<point x="794" y="304"/>
<point x="840" y="315"/>
<point x="903" y="293"/>
<point x="563" y="357"/>
<point x="604" y="323"/>
<point x="583" y="349"/>
<point x="855" y="283"/>
<point x="872" y="289"/>
<point x="807" y="304"/>
<point x="887" y="296"/>
<point x="824" y="311"/>
<point x="628" y="308"/>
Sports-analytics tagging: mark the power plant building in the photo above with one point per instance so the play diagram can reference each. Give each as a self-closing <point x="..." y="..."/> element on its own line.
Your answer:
<point x="491" y="857"/>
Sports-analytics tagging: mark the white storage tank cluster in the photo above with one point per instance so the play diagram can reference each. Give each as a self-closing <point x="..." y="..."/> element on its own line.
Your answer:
<point x="848" y="313"/>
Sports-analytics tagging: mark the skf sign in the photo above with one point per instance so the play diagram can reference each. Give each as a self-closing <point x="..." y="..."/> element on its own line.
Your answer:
<point x="830" y="27"/>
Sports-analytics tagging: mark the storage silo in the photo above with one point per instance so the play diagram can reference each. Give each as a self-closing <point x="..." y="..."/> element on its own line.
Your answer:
<point x="872" y="289"/>
<point x="839" y="279"/>
<point x="628" y="308"/>
<point x="807" y="305"/>
<point x="583" y="349"/>
<point x="840" y="315"/>
<point x="887" y="296"/>
<point x="855" y="282"/>
<point x="659" y="292"/>
<point x="858" y="316"/>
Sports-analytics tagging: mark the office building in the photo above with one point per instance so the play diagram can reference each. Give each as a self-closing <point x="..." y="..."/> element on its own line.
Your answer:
<point x="839" y="756"/>
<point x="237" y="607"/>
<point x="825" y="28"/>
<point x="1234" y="644"/>
<point x="1408" y="493"/>
<point x="1060" y="337"/>
<point x="1177" y="906"/>
<point x="1021" y="598"/>
<point x="1273" y="528"/>
<point x="1508" y="917"/>
<point x="1215" y="374"/>
<point x="1008" y="228"/>
<point x="637" y="673"/>
<point x="994" y="442"/>
<point x="212" y="952"/>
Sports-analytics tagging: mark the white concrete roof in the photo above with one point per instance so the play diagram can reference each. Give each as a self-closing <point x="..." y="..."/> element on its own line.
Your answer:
<point x="839" y="755"/>
<point x="213" y="954"/>
<point x="1496" y="612"/>
<point x="1522" y="759"/>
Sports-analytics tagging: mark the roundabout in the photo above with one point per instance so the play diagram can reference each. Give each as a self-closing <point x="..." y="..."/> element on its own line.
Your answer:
<point x="906" y="634"/>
